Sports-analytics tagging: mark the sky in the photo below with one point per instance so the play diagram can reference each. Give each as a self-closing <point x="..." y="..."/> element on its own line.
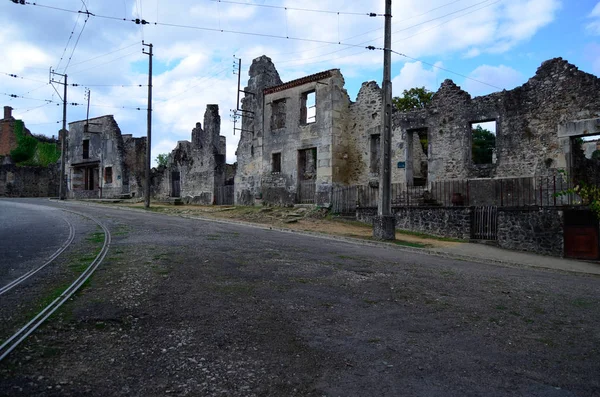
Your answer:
<point x="484" y="46"/>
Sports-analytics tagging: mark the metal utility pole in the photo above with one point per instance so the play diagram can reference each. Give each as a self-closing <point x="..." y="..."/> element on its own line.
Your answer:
<point x="63" y="135"/>
<point x="149" y="136"/>
<point x="384" y="225"/>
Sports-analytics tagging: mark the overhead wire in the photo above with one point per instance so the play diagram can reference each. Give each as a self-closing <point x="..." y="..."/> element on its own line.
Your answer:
<point x="369" y="14"/>
<point x="446" y="70"/>
<point x="78" y="38"/>
<point x="140" y="21"/>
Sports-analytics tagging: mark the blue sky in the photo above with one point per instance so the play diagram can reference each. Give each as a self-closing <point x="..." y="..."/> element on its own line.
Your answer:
<point x="482" y="45"/>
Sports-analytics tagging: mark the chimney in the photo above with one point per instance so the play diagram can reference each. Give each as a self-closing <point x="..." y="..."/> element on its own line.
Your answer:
<point x="7" y="112"/>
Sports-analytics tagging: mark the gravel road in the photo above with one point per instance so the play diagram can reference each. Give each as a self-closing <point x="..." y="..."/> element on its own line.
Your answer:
<point x="190" y="307"/>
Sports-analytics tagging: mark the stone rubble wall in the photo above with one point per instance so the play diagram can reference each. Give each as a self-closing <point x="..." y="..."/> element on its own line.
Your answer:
<point x="537" y="230"/>
<point x="16" y="181"/>
<point x="534" y="230"/>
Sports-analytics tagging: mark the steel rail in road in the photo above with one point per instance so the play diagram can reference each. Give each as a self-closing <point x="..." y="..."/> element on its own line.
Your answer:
<point x="52" y="257"/>
<point x="11" y="343"/>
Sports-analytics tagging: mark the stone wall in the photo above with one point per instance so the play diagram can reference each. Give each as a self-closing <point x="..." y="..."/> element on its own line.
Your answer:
<point x="538" y="230"/>
<point x="249" y="153"/>
<point x="199" y="164"/>
<point x="529" y="120"/>
<point x="437" y="221"/>
<point x="16" y="181"/>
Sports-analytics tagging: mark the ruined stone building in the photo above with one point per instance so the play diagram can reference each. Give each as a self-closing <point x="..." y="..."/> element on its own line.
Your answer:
<point x="195" y="170"/>
<point x="103" y="163"/>
<point x="8" y="138"/>
<point x="305" y="137"/>
<point x="295" y="144"/>
<point x="534" y="126"/>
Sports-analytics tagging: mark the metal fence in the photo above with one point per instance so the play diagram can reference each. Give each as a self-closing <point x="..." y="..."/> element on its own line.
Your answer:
<point x="306" y="192"/>
<point x="543" y="191"/>
<point x="224" y="195"/>
<point x="344" y="200"/>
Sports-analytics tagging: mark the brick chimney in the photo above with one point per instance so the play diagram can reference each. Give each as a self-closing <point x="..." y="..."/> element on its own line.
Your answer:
<point x="7" y="112"/>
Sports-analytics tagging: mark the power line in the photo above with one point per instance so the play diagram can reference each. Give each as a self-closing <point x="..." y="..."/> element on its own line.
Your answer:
<point x="71" y="103"/>
<point x="78" y="37"/>
<point x="105" y="63"/>
<point x="407" y="28"/>
<point x="444" y="69"/>
<point x="75" y="84"/>
<point x="69" y="40"/>
<point x="139" y="21"/>
<point x="369" y="14"/>
<point x="108" y="53"/>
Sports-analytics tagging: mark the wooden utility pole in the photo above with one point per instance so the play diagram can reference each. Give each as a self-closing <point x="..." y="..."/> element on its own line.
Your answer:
<point x="63" y="135"/>
<point x="384" y="225"/>
<point x="149" y="136"/>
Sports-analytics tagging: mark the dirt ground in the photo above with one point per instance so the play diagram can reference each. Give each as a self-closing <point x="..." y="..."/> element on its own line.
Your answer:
<point x="301" y="218"/>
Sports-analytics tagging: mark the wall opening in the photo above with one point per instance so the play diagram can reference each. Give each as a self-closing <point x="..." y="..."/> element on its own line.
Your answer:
<point x="108" y="175"/>
<point x="585" y="159"/>
<point x="307" y="164"/>
<point x="278" y="114"/>
<point x="308" y="110"/>
<point x="417" y="157"/>
<point x="276" y="163"/>
<point x="375" y="154"/>
<point x="483" y="142"/>
<point x="86" y="149"/>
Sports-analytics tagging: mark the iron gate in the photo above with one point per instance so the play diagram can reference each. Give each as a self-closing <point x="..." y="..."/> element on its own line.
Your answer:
<point x="484" y="223"/>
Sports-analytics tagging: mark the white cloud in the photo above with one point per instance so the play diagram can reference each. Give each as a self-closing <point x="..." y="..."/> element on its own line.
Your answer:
<point x="500" y="77"/>
<point x="413" y="74"/>
<point x="594" y="26"/>
<point x="193" y="66"/>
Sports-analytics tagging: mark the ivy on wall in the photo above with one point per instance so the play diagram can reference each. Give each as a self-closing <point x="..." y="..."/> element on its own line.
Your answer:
<point x="30" y="151"/>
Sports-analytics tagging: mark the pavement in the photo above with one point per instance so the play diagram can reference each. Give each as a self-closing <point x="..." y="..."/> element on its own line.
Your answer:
<point x="487" y="253"/>
<point x="465" y="251"/>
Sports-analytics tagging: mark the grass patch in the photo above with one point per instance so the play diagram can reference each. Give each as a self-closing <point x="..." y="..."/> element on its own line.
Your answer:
<point x="96" y="237"/>
<point x="374" y="340"/>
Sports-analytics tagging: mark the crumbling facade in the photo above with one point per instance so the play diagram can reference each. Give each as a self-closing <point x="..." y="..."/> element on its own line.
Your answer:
<point x="535" y="125"/>
<point x="290" y="132"/>
<point x="8" y="138"/>
<point x="195" y="169"/>
<point x="103" y="163"/>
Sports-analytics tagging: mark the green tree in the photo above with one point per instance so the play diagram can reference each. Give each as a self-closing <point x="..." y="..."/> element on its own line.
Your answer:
<point x="162" y="159"/>
<point x="415" y="98"/>
<point x="484" y="143"/>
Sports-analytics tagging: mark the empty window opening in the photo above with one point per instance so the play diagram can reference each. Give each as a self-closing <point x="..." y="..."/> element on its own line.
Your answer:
<point x="483" y="142"/>
<point x="276" y="163"/>
<point x="108" y="175"/>
<point x="585" y="160"/>
<point x="308" y="110"/>
<point x="307" y="164"/>
<point x="278" y="114"/>
<point x="375" y="154"/>
<point x="86" y="148"/>
<point x="417" y="158"/>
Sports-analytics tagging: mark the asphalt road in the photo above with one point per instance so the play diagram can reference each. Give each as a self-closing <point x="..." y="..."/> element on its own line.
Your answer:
<point x="29" y="234"/>
<point x="192" y="307"/>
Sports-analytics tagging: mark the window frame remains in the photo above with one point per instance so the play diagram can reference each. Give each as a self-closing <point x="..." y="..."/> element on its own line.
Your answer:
<point x="306" y="104"/>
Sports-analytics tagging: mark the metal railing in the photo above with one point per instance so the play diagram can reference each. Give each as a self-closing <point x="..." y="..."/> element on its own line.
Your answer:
<point x="545" y="191"/>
